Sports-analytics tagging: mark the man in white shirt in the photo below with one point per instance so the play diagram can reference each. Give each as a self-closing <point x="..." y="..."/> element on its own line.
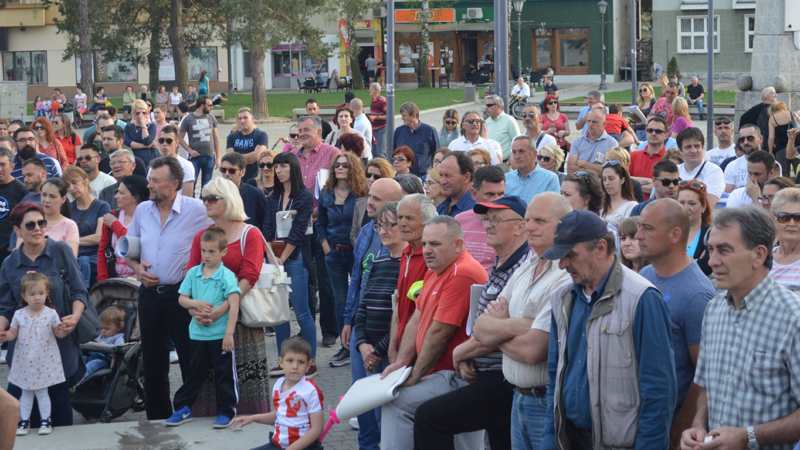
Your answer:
<point x="692" y="145"/>
<point x="531" y="117"/>
<point x="502" y="127"/>
<point x="760" y="168"/>
<point x="723" y="130"/>
<point x="168" y="146"/>
<point x="89" y="160"/>
<point x="361" y="122"/>
<point x="472" y="128"/>
<point x="521" y="89"/>
<point x="736" y="171"/>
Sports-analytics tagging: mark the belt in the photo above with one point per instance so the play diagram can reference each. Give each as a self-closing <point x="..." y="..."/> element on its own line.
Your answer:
<point x="163" y="288"/>
<point x="536" y="391"/>
<point x="343" y="248"/>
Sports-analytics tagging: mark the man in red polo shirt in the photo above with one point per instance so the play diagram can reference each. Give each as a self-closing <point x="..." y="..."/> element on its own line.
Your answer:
<point x="437" y="326"/>
<point x="642" y="161"/>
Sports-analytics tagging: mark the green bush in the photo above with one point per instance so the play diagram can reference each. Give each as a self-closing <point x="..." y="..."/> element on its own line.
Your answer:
<point x="673" y="69"/>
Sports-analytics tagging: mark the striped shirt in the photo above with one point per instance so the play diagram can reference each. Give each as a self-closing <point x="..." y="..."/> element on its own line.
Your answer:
<point x="787" y="275"/>
<point x="749" y="364"/>
<point x="497" y="281"/>
<point x="374" y="315"/>
<point x="293" y="407"/>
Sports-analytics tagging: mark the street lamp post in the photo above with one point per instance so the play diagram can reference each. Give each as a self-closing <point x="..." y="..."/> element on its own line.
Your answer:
<point x="518" y="5"/>
<point x="602" y="6"/>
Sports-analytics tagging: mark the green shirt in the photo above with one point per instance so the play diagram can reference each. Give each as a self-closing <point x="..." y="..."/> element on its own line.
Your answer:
<point x="213" y="290"/>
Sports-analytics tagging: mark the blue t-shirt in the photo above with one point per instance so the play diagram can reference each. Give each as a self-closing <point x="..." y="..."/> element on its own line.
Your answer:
<point x="246" y="143"/>
<point x="686" y="294"/>
<point x="213" y="290"/>
<point x="87" y="222"/>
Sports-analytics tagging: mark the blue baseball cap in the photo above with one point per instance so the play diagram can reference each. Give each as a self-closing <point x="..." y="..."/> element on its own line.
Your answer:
<point x="574" y="228"/>
<point x="511" y="202"/>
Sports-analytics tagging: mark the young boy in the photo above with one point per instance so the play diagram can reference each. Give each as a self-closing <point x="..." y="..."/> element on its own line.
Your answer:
<point x="211" y="290"/>
<point x="297" y="403"/>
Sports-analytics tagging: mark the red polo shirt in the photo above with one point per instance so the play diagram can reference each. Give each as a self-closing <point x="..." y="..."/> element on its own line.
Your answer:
<point x="642" y="162"/>
<point x="412" y="269"/>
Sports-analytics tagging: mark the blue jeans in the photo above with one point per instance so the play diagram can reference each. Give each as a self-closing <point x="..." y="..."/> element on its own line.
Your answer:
<point x="88" y="266"/>
<point x="147" y="155"/>
<point x="528" y="413"/>
<point x="299" y="299"/>
<point x="339" y="267"/>
<point x="204" y="164"/>
<point x="369" y="423"/>
<point x="379" y="149"/>
<point x="700" y="107"/>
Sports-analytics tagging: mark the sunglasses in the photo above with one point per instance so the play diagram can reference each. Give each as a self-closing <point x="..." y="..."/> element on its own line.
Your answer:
<point x="489" y="105"/>
<point x="722" y="122"/>
<point x="473" y="121"/>
<point x="644" y="90"/>
<point x="582" y="174"/>
<point x="293" y="135"/>
<point x="266" y="165"/>
<point x="784" y="217"/>
<point x="228" y="170"/>
<point x="374" y="176"/>
<point x="342" y="165"/>
<point x="694" y="184"/>
<point x="38" y="128"/>
<point x="655" y="131"/>
<point x="450" y="122"/>
<point x="165" y="140"/>
<point x="529" y="115"/>
<point x="666" y="182"/>
<point x="543" y="158"/>
<point x="211" y="198"/>
<point x="612" y="163"/>
<point x="84" y="158"/>
<point x="30" y="226"/>
<point x="552" y="103"/>
<point x="747" y="138"/>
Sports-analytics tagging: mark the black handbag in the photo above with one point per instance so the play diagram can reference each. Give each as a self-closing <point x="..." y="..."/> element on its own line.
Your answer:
<point x="89" y="324"/>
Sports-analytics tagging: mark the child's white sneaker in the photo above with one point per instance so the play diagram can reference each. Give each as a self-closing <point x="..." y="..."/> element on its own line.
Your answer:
<point x="23" y="428"/>
<point x="45" y="428"/>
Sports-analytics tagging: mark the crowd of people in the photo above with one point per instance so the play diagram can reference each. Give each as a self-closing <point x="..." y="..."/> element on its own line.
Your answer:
<point x="616" y="286"/>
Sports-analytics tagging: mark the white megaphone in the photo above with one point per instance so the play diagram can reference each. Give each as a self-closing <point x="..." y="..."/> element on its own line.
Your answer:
<point x="129" y="247"/>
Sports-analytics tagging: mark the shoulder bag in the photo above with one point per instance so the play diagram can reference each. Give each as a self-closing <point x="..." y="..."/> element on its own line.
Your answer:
<point x="89" y="324"/>
<point x="267" y="303"/>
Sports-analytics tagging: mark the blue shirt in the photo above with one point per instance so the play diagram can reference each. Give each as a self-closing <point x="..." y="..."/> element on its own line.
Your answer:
<point x="465" y="203"/>
<point x="368" y="247"/>
<point x="686" y="294"/>
<point x="213" y="290"/>
<point x="637" y="210"/>
<point x="50" y="164"/>
<point x="335" y="221"/>
<point x="526" y="187"/>
<point x="133" y="133"/>
<point x="246" y="143"/>
<point x="166" y="247"/>
<point x="423" y="140"/>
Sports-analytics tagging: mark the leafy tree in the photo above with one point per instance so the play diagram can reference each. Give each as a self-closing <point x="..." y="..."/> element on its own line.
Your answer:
<point x="351" y="11"/>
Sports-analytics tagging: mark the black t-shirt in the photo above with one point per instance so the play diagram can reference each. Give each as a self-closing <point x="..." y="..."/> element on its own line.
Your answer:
<point x="694" y="91"/>
<point x="10" y="195"/>
<point x="246" y="143"/>
<point x="255" y="203"/>
<point x="326" y="128"/>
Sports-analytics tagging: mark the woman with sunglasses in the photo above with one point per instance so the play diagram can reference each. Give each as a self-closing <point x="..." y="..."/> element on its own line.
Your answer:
<point x="554" y="122"/>
<point x="474" y="134"/>
<point x="403" y="160"/>
<point x="292" y="203"/>
<point x="694" y="199"/>
<point x="48" y="143"/>
<point x="56" y="208"/>
<point x="337" y="201"/>
<point x="66" y="136"/>
<point x="449" y="131"/>
<point x="68" y="295"/>
<point x="644" y="103"/>
<point x="618" y="199"/>
<point x="140" y="133"/>
<point x="131" y="191"/>
<point x="583" y="190"/>
<point x="265" y="180"/>
<point x="786" y="254"/>
<point x="551" y="157"/>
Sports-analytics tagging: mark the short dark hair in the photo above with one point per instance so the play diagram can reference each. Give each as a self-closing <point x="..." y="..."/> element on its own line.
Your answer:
<point x="201" y="102"/>
<point x="36" y="162"/>
<point x="236" y="159"/>
<point x="311" y="100"/>
<point x="491" y="174"/>
<point x="171" y="129"/>
<point x="665" y="165"/>
<point x="215" y="234"/>
<point x="658" y="119"/>
<point x="118" y="132"/>
<point x="4" y="152"/>
<point x="465" y="165"/>
<point x="111" y="111"/>
<point x="90" y="146"/>
<point x="175" y="169"/>
<point x="297" y="345"/>
<point x="763" y="157"/>
<point x="690" y="133"/>
<point x="756" y="227"/>
<point x="22" y="129"/>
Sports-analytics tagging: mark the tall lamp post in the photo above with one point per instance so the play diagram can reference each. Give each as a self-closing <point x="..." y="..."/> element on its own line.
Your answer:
<point x="602" y="6"/>
<point x="518" y="5"/>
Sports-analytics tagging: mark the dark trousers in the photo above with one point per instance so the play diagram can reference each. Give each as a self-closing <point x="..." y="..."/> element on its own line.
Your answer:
<point x="578" y="438"/>
<point x="205" y="356"/>
<point x="483" y="405"/>
<point x="61" y="406"/>
<point x="161" y="318"/>
<point x="321" y="281"/>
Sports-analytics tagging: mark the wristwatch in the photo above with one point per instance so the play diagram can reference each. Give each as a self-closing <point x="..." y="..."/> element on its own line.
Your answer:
<point x="752" y="442"/>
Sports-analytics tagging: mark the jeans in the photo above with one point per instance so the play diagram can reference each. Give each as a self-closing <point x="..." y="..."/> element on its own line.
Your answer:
<point x="379" y="149"/>
<point x="369" y="423"/>
<point x="94" y="364"/>
<point x="528" y="414"/>
<point x="204" y="164"/>
<point x="339" y="267"/>
<point x="88" y="266"/>
<point x="147" y="155"/>
<point x="700" y="107"/>
<point x="321" y="284"/>
<point x="299" y="299"/>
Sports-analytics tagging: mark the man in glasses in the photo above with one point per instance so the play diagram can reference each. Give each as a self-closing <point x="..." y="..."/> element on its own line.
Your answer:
<point x="168" y="146"/>
<point x="28" y="148"/>
<point x="749" y="140"/>
<point x="502" y="127"/>
<point x="531" y="120"/>
<point x="723" y="130"/>
<point x="695" y="166"/>
<point x="249" y="141"/>
<point x="89" y="160"/>
<point x="760" y="168"/>
<point x="472" y="128"/>
<point x="123" y="164"/>
<point x="665" y="184"/>
<point x="642" y="161"/>
<point x="255" y="203"/>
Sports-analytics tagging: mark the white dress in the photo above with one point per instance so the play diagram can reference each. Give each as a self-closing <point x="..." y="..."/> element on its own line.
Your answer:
<point x="36" y="363"/>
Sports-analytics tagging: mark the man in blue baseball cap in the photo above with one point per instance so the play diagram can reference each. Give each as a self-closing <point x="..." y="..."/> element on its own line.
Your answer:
<point x="617" y="386"/>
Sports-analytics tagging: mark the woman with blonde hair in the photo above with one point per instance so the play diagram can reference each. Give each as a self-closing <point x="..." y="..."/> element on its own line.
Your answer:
<point x="480" y="158"/>
<point x="433" y="186"/>
<point x="449" y="131"/>
<point x="682" y="119"/>
<point x="786" y="255"/>
<point x="780" y="120"/>
<point x="244" y="257"/>
<point x="265" y="179"/>
<point x="87" y="212"/>
<point x="140" y="133"/>
<point x="551" y="157"/>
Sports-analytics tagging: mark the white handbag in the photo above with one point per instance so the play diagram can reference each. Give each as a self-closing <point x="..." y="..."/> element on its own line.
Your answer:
<point x="267" y="303"/>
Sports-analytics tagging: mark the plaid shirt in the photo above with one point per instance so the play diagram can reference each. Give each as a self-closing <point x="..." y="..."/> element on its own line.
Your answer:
<point x="749" y="360"/>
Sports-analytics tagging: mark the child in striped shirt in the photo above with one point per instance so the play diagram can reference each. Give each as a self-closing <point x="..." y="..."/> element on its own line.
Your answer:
<point x="297" y="403"/>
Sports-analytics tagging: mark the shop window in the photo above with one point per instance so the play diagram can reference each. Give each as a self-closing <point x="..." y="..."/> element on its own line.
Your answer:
<point x="574" y="48"/>
<point x="297" y="63"/>
<point x="25" y="66"/>
<point x="692" y="34"/>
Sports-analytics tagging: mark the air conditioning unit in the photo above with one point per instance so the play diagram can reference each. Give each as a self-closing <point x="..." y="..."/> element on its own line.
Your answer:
<point x="474" y="13"/>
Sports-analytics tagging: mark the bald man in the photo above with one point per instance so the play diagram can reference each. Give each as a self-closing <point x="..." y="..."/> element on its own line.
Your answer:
<point x="663" y="234"/>
<point x="588" y="152"/>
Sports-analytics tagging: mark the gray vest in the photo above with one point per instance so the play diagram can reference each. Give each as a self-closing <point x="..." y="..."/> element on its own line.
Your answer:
<point x="611" y="363"/>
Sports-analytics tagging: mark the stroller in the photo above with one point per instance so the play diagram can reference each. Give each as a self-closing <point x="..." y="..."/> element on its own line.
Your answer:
<point x="110" y="392"/>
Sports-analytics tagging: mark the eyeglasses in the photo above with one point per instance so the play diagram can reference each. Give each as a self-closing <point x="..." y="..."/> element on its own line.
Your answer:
<point x="784" y="217"/>
<point x="489" y="105"/>
<point x="529" y="115"/>
<point x="30" y="226"/>
<point x="694" y="184"/>
<point x="656" y="131"/>
<point x="612" y="163"/>
<point x="399" y="159"/>
<point x="747" y="138"/>
<point x="473" y="121"/>
<point x="165" y="141"/>
<point x="38" y="127"/>
<point x="492" y="221"/>
<point x="374" y="176"/>
<point x="383" y="226"/>
<point x="84" y="158"/>
<point x="266" y="165"/>
<point x="24" y="140"/>
<point x="543" y="158"/>
<point x="552" y="103"/>
<point x="228" y="170"/>
<point x="293" y="135"/>
<point x="644" y="90"/>
<point x="666" y="182"/>
<point x="342" y="165"/>
<point x="211" y="198"/>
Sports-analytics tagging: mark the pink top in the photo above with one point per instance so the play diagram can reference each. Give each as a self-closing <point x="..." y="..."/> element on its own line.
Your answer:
<point x="681" y="123"/>
<point x="65" y="230"/>
<point x="475" y="239"/>
<point x="312" y="161"/>
<point x="560" y="124"/>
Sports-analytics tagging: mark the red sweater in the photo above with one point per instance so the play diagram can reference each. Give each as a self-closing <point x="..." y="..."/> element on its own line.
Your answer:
<point x="119" y="230"/>
<point x="412" y="269"/>
<point x="247" y="266"/>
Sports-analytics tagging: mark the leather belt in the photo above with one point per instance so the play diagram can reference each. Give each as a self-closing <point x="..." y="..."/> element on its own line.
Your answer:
<point x="161" y="289"/>
<point x="536" y="391"/>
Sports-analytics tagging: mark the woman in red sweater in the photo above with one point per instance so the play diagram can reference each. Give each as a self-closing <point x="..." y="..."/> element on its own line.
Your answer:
<point x="131" y="191"/>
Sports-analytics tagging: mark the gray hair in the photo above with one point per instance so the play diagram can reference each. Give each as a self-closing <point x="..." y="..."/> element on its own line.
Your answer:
<point x="596" y="94"/>
<point x="387" y="208"/>
<point x="410" y="183"/>
<point x="784" y="197"/>
<point x="427" y="208"/>
<point x="124" y="153"/>
<point x="755" y="227"/>
<point x="356" y="104"/>
<point x="767" y="91"/>
<point x="317" y="121"/>
<point x="560" y="206"/>
<point x="495" y="98"/>
<point x="531" y="142"/>
<point x="453" y="227"/>
<point x="410" y="108"/>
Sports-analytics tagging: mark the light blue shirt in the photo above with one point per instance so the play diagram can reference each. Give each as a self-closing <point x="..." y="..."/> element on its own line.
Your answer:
<point x="527" y="187"/>
<point x="166" y="247"/>
<point x="213" y="290"/>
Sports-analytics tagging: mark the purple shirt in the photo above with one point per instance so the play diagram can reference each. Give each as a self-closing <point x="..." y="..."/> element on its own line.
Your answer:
<point x="475" y="239"/>
<point x="312" y="161"/>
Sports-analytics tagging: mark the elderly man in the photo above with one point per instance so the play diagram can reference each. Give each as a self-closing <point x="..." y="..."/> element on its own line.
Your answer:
<point x="436" y="328"/>
<point x="455" y="175"/>
<point x="111" y="140"/>
<point x="165" y="226"/>
<point x="377" y="116"/>
<point x="122" y="164"/>
<point x="11" y="192"/>
<point x="642" y="161"/>
<point x="472" y="130"/>
<point x="588" y="152"/>
<point x="760" y="168"/>
<point x="759" y="114"/>
<point x="748" y="365"/>
<point x="421" y="137"/>
<point x="695" y="94"/>
<point x="27" y="148"/>
<point x="612" y="373"/>
<point x="518" y="323"/>
<point x="502" y="127"/>
<point x="750" y="139"/>
<point x="233" y="167"/>
<point x="528" y="179"/>
<point x="488" y="186"/>
<point x="248" y="141"/>
<point x="662" y="234"/>
<point x="665" y="184"/>
<point x="592" y="98"/>
<point x="168" y="146"/>
<point x="486" y="402"/>
<point x="531" y="120"/>
<point x="695" y="166"/>
<point x="313" y="154"/>
<point x="89" y="160"/>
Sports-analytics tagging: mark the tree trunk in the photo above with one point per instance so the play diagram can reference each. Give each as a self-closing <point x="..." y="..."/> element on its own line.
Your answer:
<point x="425" y="38"/>
<point x="154" y="56"/>
<point x="355" y="64"/>
<point x="178" y="43"/>
<point x="260" y="109"/>
<point x="85" y="44"/>
<point x="229" y="46"/>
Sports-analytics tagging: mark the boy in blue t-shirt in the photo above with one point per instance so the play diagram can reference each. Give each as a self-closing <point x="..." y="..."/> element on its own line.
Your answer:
<point x="213" y="292"/>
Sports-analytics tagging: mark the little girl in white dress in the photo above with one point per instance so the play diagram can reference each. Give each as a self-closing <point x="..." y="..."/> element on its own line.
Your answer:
<point x="36" y="364"/>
